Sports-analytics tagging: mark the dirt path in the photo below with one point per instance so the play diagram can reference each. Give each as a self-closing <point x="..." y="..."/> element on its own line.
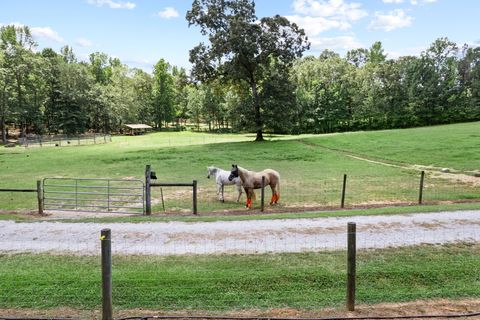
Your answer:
<point x="428" y="307"/>
<point x="453" y="174"/>
<point x="295" y="235"/>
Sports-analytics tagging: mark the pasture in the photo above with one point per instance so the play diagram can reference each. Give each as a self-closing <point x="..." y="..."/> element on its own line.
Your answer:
<point x="383" y="167"/>
<point x="300" y="281"/>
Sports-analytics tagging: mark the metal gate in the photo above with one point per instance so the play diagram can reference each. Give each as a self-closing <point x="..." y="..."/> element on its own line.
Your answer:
<point x="94" y="195"/>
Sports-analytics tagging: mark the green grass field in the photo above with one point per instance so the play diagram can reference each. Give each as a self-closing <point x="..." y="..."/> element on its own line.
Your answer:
<point x="306" y="281"/>
<point x="311" y="170"/>
<point x="452" y="146"/>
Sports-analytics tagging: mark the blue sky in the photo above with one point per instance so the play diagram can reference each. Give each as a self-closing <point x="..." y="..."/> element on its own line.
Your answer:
<point x="140" y="32"/>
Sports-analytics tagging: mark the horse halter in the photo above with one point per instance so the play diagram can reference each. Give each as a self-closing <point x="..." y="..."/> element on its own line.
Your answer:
<point x="233" y="173"/>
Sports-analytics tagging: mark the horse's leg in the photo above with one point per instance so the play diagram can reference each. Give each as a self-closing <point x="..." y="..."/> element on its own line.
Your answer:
<point x="219" y="189"/>
<point x="249" y="198"/>
<point x="239" y="190"/>
<point x="223" y="197"/>
<point x="275" y="195"/>
<point x="272" y="200"/>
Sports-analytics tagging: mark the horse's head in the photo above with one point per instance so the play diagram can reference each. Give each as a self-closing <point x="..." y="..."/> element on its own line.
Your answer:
<point x="233" y="173"/>
<point x="211" y="172"/>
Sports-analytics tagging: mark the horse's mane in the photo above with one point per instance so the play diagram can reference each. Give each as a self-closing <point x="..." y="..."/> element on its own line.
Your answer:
<point x="213" y="170"/>
<point x="243" y="169"/>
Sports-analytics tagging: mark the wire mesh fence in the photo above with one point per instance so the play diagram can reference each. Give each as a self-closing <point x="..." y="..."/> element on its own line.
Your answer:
<point x="301" y="193"/>
<point x="296" y="194"/>
<point x="63" y="140"/>
<point x="296" y="268"/>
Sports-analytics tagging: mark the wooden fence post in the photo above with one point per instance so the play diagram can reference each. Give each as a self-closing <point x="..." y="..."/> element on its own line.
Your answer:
<point x="148" y="199"/>
<point x="344" y="189"/>
<point x="351" y="265"/>
<point x="420" y="192"/>
<point x="262" y="208"/>
<point x="195" y="211"/>
<point x="40" y="197"/>
<point x="105" y="238"/>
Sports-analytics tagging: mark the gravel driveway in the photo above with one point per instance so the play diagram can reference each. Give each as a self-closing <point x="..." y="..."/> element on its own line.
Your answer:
<point x="293" y="235"/>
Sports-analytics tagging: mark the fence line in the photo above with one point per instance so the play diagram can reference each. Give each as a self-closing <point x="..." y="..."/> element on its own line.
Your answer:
<point x="38" y="190"/>
<point x="348" y="192"/>
<point x="246" y="237"/>
<point x="63" y="140"/>
<point x="308" y="280"/>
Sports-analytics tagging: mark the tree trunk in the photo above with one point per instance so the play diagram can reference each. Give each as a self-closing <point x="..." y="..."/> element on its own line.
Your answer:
<point x="4" y="131"/>
<point x="258" y="116"/>
<point x="3" y="109"/>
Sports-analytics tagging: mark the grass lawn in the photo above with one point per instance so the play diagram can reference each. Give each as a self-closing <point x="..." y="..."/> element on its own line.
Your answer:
<point x="235" y="282"/>
<point x="451" y="146"/>
<point x="311" y="176"/>
<point x="252" y="216"/>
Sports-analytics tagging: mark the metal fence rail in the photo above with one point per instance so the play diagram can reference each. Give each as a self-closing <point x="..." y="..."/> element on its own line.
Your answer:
<point x="94" y="195"/>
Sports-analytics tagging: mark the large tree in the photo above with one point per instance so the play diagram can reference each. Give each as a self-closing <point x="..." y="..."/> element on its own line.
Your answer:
<point x="241" y="46"/>
<point x="163" y="93"/>
<point x="18" y="66"/>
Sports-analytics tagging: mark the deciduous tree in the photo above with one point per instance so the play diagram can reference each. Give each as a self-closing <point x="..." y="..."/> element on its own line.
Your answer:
<point x="242" y="46"/>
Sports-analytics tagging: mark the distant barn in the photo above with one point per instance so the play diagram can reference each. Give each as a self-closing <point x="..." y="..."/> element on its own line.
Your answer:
<point x="138" y="128"/>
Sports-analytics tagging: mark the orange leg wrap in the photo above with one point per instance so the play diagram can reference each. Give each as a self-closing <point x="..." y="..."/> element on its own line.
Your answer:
<point x="275" y="198"/>
<point x="249" y="203"/>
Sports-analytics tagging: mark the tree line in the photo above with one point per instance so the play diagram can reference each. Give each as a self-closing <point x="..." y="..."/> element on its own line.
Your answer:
<point x="49" y="92"/>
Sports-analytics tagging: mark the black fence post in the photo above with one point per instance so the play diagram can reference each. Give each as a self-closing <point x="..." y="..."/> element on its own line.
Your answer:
<point x="351" y="265"/>
<point x="420" y="192"/>
<point x="40" y="197"/>
<point x="344" y="189"/>
<point x="263" y="195"/>
<point x="105" y="238"/>
<point x="148" y="199"/>
<point x="195" y="211"/>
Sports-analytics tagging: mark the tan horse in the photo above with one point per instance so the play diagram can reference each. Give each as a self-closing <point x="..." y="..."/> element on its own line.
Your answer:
<point x="253" y="180"/>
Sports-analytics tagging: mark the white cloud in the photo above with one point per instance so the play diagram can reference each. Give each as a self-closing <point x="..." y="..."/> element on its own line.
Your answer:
<point x="421" y="2"/>
<point x="38" y="32"/>
<point x="315" y="25"/>
<point x="82" y="42"/>
<point x="113" y="4"/>
<point x="317" y="16"/>
<point x="390" y="21"/>
<point x="343" y="43"/>
<point x="392" y="1"/>
<point x="47" y="33"/>
<point x="168" y="12"/>
<point x="334" y="9"/>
